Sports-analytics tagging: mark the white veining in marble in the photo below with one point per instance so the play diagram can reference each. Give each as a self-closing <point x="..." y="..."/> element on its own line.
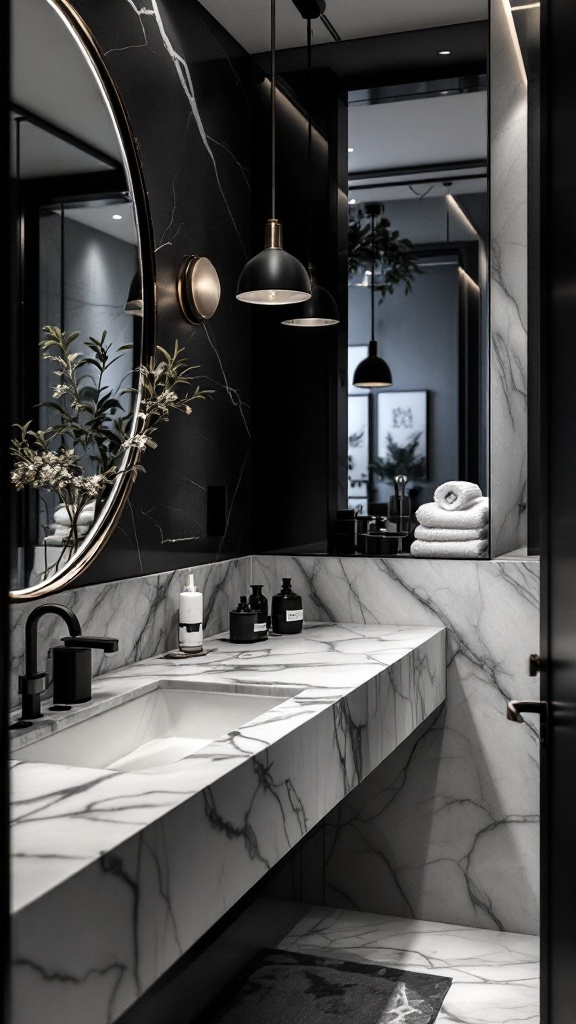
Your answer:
<point x="508" y="287"/>
<point x="447" y="829"/>
<point x="116" y="874"/>
<point x="142" y="612"/>
<point x="495" y="975"/>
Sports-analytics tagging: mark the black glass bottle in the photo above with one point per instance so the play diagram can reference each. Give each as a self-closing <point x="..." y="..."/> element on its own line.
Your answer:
<point x="242" y="622"/>
<point x="259" y="604"/>
<point x="287" y="613"/>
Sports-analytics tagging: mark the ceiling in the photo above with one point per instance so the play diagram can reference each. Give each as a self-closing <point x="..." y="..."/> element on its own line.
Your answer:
<point x="415" y="133"/>
<point x="248" y="21"/>
<point x="51" y="77"/>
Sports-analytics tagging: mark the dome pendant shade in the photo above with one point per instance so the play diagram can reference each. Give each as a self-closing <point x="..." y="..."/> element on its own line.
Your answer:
<point x="273" y="277"/>
<point x="134" y="303"/>
<point x="372" y="372"/>
<point x="319" y="311"/>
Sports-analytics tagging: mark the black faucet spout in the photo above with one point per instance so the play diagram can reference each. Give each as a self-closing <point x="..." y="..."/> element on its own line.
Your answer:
<point x="70" y="619"/>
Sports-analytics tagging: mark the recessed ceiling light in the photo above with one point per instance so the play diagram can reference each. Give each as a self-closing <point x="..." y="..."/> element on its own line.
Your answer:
<point x="116" y="216"/>
<point x="444" y="53"/>
<point x="350" y="149"/>
<point x="351" y="202"/>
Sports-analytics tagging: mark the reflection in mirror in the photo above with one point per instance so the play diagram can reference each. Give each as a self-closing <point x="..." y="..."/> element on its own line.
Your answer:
<point x="78" y="267"/>
<point x="418" y="155"/>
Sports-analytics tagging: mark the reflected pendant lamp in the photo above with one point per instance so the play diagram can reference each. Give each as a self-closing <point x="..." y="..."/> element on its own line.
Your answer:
<point x="320" y="310"/>
<point x="134" y="302"/>
<point x="372" y="372"/>
<point x="273" y="277"/>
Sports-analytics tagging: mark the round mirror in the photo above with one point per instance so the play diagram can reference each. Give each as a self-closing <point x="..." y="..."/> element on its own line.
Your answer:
<point x="84" y="298"/>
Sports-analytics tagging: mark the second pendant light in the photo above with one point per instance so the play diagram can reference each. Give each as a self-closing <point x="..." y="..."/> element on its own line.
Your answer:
<point x="320" y="310"/>
<point x="372" y="372"/>
<point x="273" y="277"/>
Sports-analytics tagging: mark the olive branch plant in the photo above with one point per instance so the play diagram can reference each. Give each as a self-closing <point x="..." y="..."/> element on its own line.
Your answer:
<point x="394" y="260"/>
<point x="83" y="451"/>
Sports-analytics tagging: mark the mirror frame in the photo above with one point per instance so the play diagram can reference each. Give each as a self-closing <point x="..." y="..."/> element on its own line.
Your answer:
<point x="110" y="515"/>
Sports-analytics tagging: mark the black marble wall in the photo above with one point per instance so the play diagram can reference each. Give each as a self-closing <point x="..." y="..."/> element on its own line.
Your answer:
<point x="185" y="84"/>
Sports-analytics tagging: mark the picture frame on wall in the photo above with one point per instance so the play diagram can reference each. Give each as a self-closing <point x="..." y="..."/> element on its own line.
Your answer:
<point x="402" y="433"/>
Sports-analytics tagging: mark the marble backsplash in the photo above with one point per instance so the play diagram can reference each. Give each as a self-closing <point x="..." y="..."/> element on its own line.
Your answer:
<point x="141" y="612"/>
<point x="508" y="286"/>
<point x="446" y="829"/>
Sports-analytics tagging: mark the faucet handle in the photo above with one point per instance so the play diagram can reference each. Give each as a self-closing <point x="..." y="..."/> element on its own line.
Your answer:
<point x="108" y="644"/>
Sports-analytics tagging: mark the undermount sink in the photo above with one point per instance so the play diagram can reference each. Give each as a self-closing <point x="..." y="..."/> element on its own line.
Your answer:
<point x="150" y="731"/>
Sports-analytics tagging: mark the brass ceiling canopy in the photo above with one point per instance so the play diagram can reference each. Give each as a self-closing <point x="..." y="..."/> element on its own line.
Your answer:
<point x="198" y="289"/>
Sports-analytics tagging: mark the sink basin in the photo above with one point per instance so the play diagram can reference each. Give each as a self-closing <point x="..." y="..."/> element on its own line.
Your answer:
<point x="150" y="731"/>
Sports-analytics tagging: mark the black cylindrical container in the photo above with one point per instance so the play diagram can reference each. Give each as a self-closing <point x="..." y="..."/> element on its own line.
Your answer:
<point x="259" y="604"/>
<point x="345" y="531"/>
<point x="72" y="675"/>
<point x="242" y="623"/>
<point x="287" y="613"/>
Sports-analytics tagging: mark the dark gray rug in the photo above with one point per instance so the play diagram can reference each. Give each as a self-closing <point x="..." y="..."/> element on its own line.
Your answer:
<point x="294" y="988"/>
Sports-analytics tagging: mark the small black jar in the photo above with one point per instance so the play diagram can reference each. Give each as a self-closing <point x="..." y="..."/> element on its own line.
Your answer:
<point x="242" y="623"/>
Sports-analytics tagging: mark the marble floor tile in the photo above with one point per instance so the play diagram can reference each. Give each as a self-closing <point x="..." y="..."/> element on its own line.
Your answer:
<point x="495" y="975"/>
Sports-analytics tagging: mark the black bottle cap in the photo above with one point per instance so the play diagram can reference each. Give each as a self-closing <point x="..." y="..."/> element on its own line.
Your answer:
<point x="286" y="583"/>
<point x="243" y="605"/>
<point x="257" y="587"/>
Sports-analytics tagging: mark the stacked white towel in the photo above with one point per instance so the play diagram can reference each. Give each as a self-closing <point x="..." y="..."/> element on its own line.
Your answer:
<point x="454" y="525"/>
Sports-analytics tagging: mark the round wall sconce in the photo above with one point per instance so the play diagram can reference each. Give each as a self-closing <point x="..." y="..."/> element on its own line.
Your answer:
<point x="198" y="289"/>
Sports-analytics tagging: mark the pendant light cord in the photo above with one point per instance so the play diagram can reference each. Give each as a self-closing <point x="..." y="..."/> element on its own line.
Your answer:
<point x="309" y="106"/>
<point x="273" y="103"/>
<point x="373" y="272"/>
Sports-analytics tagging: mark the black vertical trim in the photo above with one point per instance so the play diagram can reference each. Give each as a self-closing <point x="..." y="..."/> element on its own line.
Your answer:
<point x="8" y="285"/>
<point x="558" y="503"/>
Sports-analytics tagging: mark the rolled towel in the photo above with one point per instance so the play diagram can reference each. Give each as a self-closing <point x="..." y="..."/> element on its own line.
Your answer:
<point x="456" y="495"/>
<point x="449" y="549"/>
<point x="86" y="516"/>
<point x="473" y="518"/>
<point x="437" y="533"/>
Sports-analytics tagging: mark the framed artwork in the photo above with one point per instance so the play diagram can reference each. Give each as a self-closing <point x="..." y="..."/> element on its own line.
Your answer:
<point x="356" y="353"/>
<point x="402" y="436"/>
<point x="358" y="444"/>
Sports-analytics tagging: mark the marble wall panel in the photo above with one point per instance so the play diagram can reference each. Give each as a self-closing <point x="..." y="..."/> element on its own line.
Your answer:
<point x="447" y="828"/>
<point x="508" y="284"/>
<point x="141" y="613"/>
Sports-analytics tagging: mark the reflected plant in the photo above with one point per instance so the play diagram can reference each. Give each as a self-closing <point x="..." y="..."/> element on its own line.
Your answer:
<point x="394" y="262"/>
<point x="84" y="450"/>
<point x="400" y="459"/>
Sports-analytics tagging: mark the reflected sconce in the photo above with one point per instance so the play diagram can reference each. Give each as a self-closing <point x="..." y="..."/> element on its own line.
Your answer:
<point x="198" y="289"/>
<point x="273" y="277"/>
<point x="372" y="372"/>
<point x="134" y="302"/>
<point x="320" y="310"/>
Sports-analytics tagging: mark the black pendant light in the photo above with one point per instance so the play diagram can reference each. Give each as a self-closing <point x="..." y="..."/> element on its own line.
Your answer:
<point x="273" y="277"/>
<point x="372" y="372"/>
<point x="320" y="310"/>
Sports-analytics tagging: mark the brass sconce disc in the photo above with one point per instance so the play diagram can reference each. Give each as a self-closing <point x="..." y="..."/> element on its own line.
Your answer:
<point x="198" y="289"/>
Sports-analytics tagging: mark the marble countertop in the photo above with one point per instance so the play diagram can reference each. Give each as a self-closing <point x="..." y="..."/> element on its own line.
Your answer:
<point x="115" y="875"/>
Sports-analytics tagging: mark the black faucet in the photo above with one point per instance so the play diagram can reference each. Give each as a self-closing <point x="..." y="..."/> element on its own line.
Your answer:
<point x="72" y="663"/>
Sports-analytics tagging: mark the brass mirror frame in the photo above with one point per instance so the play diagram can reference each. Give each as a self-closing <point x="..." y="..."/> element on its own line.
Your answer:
<point x="95" y="540"/>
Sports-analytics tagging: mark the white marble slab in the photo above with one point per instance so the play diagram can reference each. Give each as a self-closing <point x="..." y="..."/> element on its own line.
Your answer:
<point x="495" y="975"/>
<point x="141" y="612"/>
<point x="448" y="828"/>
<point x="115" y="875"/>
<point x="508" y="286"/>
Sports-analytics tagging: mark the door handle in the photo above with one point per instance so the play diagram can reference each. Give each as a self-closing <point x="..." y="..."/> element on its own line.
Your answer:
<point x="516" y="708"/>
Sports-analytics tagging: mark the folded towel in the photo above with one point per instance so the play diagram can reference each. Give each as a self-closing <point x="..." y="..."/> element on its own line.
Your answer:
<point x="456" y="495"/>
<point x="449" y="549"/>
<point x="62" y="517"/>
<point x="437" y="533"/>
<point x="473" y="518"/>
